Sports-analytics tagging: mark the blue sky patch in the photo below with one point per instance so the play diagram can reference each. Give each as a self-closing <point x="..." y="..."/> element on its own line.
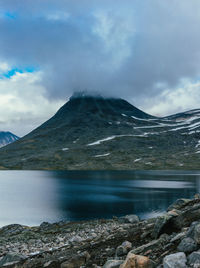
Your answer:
<point x="13" y="71"/>
<point x="8" y="15"/>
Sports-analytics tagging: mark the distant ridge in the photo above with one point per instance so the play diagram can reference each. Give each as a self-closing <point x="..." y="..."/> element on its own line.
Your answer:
<point x="7" y="138"/>
<point x="95" y="132"/>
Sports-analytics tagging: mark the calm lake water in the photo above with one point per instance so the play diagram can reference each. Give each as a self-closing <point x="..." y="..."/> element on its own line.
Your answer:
<point x="31" y="197"/>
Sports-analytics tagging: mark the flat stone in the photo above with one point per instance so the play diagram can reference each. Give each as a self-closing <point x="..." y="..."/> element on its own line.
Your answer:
<point x="177" y="260"/>
<point x="136" y="261"/>
<point x="152" y="245"/>
<point x="113" y="264"/>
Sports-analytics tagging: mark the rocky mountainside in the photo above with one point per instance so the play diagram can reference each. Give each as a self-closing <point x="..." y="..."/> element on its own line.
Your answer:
<point x="105" y="133"/>
<point x="7" y="138"/>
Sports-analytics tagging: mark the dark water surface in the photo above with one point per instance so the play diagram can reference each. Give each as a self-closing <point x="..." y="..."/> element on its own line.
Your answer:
<point x="31" y="197"/>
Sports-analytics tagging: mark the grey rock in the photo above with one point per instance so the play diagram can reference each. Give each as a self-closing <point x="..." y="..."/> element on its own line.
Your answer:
<point x="75" y="240"/>
<point x="52" y="264"/>
<point x="197" y="233"/>
<point x="127" y="244"/>
<point x="187" y="245"/>
<point x="131" y="219"/>
<point x="179" y="203"/>
<point x="190" y="232"/>
<point x="113" y="264"/>
<point x="194" y="231"/>
<point x="123" y="249"/>
<point x="152" y="245"/>
<point x="161" y="224"/>
<point x="45" y="226"/>
<point x="188" y="215"/>
<point x="11" y="259"/>
<point x="177" y="260"/>
<point x="178" y="236"/>
<point x="194" y="258"/>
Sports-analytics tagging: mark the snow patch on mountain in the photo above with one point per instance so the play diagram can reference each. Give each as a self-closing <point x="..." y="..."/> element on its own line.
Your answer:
<point x="102" y="155"/>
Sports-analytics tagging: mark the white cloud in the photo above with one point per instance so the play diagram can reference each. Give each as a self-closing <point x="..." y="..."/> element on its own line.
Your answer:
<point x="4" y="67"/>
<point x="58" y="16"/>
<point x="115" y="35"/>
<point x="185" y="97"/>
<point x="23" y="105"/>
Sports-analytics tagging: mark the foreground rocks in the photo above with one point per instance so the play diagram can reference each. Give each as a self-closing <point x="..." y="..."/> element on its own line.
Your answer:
<point x="169" y="241"/>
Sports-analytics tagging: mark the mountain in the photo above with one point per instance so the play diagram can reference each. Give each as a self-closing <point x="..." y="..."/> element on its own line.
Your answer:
<point x="6" y="138"/>
<point x="91" y="132"/>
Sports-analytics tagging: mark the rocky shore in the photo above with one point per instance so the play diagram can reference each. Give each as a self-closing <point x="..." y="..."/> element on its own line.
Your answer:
<point x="170" y="241"/>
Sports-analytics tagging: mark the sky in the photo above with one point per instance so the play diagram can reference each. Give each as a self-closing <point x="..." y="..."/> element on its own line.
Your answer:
<point x="147" y="52"/>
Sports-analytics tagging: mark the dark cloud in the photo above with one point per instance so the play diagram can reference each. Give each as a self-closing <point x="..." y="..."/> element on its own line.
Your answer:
<point x="121" y="48"/>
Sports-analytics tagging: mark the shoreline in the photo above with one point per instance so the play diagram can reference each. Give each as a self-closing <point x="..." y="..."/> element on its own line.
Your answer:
<point x="102" y="242"/>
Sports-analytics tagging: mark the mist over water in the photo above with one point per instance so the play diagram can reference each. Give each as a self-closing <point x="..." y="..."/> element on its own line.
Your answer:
<point x="31" y="197"/>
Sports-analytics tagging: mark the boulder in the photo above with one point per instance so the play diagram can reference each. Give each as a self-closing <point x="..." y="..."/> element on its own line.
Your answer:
<point x="123" y="249"/>
<point x="187" y="245"/>
<point x="45" y="226"/>
<point x="174" y="220"/>
<point x="194" y="258"/>
<point x="188" y="215"/>
<point x="127" y="244"/>
<point x="130" y="219"/>
<point x="194" y="232"/>
<point x="197" y="233"/>
<point x="177" y="260"/>
<point x="190" y="231"/>
<point x="136" y="261"/>
<point x="179" y="203"/>
<point x="161" y="225"/>
<point x="113" y="264"/>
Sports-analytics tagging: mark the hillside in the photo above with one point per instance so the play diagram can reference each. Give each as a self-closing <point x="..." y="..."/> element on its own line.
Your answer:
<point x="98" y="133"/>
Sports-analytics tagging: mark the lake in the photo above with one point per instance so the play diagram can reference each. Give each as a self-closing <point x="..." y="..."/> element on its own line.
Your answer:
<point x="31" y="197"/>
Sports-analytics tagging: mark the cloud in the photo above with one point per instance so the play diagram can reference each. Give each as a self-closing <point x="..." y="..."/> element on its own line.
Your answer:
<point x="169" y="102"/>
<point x="4" y="67"/>
<point x="138" y="50"/>
<point x="124" y="49"/>
<point x="23" y="105"/>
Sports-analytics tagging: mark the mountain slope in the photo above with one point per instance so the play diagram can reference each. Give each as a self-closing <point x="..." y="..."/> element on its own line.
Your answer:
<point x="98" y="133"/>
<point x="7" y="138"/>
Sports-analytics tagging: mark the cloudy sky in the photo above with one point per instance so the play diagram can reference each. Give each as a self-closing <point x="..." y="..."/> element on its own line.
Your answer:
<point x="147" y="52"/>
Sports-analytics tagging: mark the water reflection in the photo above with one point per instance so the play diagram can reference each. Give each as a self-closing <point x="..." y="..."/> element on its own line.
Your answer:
<point x="30" y="197"/>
